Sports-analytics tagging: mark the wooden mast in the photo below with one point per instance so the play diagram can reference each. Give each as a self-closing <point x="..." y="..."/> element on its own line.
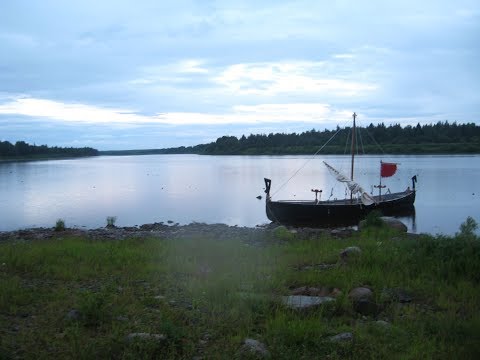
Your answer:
<point x="353" y="143"/>
<point x="353" y="151"/>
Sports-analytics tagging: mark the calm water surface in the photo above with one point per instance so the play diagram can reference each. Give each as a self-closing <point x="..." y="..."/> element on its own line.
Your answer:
<point x="220" y="189"/>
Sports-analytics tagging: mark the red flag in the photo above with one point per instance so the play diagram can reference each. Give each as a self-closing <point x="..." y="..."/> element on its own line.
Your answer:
<point x="387" y="169"/>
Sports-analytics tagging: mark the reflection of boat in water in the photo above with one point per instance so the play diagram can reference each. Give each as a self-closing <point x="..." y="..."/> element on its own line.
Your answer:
<point x="346" y="211"/>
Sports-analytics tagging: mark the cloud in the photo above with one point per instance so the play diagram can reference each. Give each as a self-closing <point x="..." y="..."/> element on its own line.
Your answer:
<point x="239" y="114"/>
<point x="275" y="78"/>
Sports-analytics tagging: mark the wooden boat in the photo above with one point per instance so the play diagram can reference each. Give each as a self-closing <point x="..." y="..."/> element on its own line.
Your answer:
<point x="346" y="211"/>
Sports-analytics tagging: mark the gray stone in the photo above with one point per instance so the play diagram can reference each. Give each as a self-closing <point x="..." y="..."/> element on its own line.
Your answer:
<point x="316" y="291"/>
<point x="394" y="223"/>
<point x="366" y="307"/>
<point x="341" y="233"/>
<point x="145" y="337"/>
<point x="254" y="347"/>
<point x="396" y="294"/>
<point x="383" y="323"/>
<point x="73" y="315"/>
<point x="343" y="337"/>
<point x="299" y="302"/>
<point x="350" y="252"/>
<point x="360" y="293"/>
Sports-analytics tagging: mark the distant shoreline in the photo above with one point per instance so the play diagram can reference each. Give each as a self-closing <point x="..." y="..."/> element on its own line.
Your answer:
<point x="40" y="158"/>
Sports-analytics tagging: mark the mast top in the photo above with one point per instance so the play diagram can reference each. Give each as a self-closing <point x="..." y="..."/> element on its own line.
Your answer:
<point x="354" y="116"/>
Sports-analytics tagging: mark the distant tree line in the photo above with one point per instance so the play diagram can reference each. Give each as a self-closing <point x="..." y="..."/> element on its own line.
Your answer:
<point x="442" y="137"/>
<point x="21" y="149"/>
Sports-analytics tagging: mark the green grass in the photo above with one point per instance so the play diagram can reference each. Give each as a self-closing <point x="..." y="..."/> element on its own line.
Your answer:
<point x="208" y="295"/>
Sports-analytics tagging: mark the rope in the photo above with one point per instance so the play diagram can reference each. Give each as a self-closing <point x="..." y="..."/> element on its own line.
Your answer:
<point x="375" y="141"/>
<point x="305" y="163"/>
<point x="361" y="140"/>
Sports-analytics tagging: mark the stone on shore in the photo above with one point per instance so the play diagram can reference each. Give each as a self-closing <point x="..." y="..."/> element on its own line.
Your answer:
<point x="303" y="302"/>
<point x="350" y="253"/>
<point x="255" y="348"/>
<point x="388" y="221"/>
<point x="361" y="298"/>
<point x="360" y="293"/>
<point x="343" y="337"/>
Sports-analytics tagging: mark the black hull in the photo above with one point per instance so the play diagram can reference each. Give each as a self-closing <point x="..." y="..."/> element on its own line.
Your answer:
<point x="337" y="212"/>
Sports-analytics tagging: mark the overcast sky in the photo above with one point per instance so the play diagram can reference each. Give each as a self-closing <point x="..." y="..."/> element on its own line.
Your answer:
<point x="114" y="74"/>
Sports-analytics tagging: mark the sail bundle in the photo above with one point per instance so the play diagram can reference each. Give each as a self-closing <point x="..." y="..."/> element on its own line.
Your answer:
<point x="355" y="188"/>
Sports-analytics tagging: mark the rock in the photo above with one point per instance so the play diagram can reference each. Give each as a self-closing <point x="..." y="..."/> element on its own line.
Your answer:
<point x="383" y="323"/>
<point x="366" y="307"/>
<point x="396" y="294"/>
<point x="350" y="252"/>
<point x="341" y="233"/>
<point x="394" y="223"/>
<point x="254" y="347"/>
<point x="73" y="315"/>
<point x="343" y="337"/>
<point x="316" y="291"/>
<point x="362" y="301"/>
<point x="299" y="302"/>
<point x="145" y="336"/>
<point x="359" y="293"/>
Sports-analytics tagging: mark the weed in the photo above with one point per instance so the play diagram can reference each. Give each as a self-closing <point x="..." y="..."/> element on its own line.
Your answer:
<point x="111" y="221"/>
<point x="60" y="225"/>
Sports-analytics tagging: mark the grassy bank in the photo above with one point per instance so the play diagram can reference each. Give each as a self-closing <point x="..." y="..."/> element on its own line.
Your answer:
<point x="76" y="298"/>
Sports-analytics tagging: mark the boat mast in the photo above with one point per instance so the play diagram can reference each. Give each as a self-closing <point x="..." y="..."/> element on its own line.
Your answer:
<point x="353" y="151"/>
<point x="353" y="143"/>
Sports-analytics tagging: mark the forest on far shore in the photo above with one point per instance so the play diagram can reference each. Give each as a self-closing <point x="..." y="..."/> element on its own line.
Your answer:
<point x="23" y="150"/>
<point x="439" y="138"/>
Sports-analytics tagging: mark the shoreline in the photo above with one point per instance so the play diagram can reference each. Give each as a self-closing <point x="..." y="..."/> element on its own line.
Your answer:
<point x="169" y="231"/>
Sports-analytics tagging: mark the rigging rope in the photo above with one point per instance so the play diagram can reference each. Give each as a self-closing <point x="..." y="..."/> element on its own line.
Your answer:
<point x="305" y="163"/>
<point x="361" y="141"/>
<point x="376" y="143"/>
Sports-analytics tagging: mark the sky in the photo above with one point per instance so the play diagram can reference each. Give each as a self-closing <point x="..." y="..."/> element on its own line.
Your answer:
<point x="145" y="74"/>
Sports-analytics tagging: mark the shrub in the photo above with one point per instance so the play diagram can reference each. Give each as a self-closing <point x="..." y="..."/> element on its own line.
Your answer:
<point x="60" y="225"/>
<point x="111" y="221"/>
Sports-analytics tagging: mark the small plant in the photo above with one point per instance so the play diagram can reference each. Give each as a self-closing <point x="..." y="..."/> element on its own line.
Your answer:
<point x="111" y="221"/>
<point x="60" y="225"/>
<point x="93" y="307"/>
<point x="282" y="233"/>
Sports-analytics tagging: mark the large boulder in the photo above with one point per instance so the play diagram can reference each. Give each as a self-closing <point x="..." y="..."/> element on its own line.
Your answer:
<point x="387" y="221"/>
<point x="394" y="223"/>
<point x="359" y="293"/>
<point x="362" y="301"/>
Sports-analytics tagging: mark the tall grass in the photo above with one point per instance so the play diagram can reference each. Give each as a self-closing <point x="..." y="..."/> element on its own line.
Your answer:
<point x="208" y="295"/>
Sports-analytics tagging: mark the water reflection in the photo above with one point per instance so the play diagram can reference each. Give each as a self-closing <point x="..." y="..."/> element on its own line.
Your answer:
<point x="211" y="189"/>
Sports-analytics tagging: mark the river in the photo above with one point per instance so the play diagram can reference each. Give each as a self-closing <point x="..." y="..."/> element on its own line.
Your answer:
<point x="221" y="189"/>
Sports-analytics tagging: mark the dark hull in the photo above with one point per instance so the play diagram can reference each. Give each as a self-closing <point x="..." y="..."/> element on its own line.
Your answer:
<point x="337" y="212"/>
